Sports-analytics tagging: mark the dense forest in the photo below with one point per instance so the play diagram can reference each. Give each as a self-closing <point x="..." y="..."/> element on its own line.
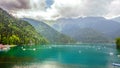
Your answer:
<point x="118" y="43"/>
<point x="18" y="32"/>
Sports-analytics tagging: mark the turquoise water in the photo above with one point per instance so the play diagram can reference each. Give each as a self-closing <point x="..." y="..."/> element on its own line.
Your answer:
<point x="61" y="56"/>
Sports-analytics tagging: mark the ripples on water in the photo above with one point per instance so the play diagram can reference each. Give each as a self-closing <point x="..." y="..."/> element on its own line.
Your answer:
<point x="61" y="56"/>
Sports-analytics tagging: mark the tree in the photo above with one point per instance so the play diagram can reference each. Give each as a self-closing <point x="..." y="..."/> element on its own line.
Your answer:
<point x="14" y="39"/>
<point x="118" y="43"/>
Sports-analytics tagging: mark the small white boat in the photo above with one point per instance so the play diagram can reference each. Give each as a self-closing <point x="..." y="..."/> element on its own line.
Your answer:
<point x="34" y="49"/>
<point x="116" y="64"/>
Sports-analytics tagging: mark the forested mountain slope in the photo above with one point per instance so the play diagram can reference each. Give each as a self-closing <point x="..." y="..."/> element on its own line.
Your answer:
<point x="18" y="32"/>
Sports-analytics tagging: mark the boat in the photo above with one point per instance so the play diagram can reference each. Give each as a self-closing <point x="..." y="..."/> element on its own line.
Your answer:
<point x="4" y="47"/>
<point x="116" y="64"/>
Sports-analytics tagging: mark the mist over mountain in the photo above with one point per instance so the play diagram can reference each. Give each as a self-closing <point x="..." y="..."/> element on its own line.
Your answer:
<point x="99" y="26"/>
<point x="48" y="32"/>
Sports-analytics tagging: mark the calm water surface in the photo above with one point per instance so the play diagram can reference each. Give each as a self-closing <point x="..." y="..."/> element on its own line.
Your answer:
<point x="61" y="56"/>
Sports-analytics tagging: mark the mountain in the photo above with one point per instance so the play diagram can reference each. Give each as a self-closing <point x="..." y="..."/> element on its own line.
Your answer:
<point x="117" y="19"/>
<point x="94" y="28"/>
<point x="18" y="32"/>
<point x="48" y="32"/>
<point x="87" y="35"/>
<point x="116" y="33"/>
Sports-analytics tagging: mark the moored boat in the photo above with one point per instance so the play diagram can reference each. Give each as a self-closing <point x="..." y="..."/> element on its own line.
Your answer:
<point x="116" y="64"/>
<point x="4" y="47"/>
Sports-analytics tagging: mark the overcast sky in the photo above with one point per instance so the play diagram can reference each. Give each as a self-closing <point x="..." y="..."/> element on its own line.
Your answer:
<point x="53" y="9"/>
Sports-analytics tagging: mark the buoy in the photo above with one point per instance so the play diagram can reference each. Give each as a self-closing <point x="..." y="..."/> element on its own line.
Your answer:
<point x="118" y="56"/>
<point x="34" y="49"/>
<point x="111" y="53"/>
<point x="24" y="49"/>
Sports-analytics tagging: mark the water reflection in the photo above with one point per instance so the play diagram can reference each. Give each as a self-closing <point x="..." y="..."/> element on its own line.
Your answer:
<point x="39" y="65"/>
<point x="48" y="64"/>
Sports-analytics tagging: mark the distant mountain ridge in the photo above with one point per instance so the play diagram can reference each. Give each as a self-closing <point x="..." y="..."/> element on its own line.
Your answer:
<point x="101" y="27"/>
<point x="48" y="32"/>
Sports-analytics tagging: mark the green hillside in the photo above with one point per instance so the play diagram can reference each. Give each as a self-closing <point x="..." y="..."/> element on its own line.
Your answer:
<point x="18" y="32"/>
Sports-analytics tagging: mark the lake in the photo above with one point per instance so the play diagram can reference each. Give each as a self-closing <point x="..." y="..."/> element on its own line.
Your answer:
<point x="61" y="56"/>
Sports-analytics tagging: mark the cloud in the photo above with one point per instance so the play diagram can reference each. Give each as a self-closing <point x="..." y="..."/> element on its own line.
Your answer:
<point x="114" y="9"/>
<point x="38" y="9"/>
<point x="76" y="8"/>
<point x="37" y="4"/>
<point x="14" y="4"/>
